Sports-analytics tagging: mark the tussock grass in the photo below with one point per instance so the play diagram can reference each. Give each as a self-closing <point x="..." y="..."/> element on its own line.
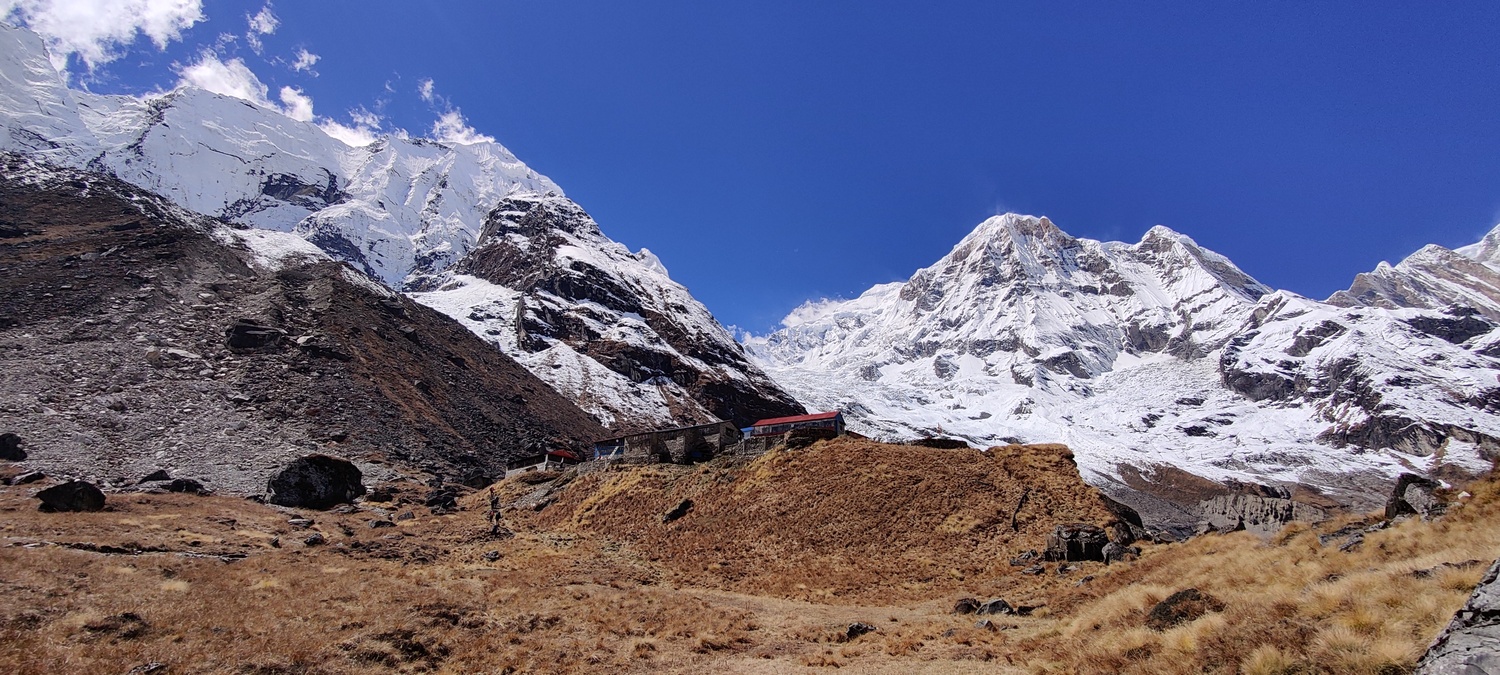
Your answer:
<point x="1292" y="605"/>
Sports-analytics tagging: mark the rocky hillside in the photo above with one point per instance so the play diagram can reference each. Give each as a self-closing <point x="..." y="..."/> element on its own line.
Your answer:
<point x="1151" y="360"/>
<point x="136" y="336"/>
<point x="408" y="212"/>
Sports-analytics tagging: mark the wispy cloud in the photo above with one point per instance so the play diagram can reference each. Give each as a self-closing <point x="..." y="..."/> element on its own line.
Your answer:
<point x="305" y="62"/>
<point x="261" y="23"/>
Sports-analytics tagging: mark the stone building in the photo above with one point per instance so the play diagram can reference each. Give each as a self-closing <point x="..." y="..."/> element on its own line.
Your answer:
<point x="683" y="445"/>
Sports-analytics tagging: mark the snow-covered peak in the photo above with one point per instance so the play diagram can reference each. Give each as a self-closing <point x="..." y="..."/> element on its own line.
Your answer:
<point x="1151" y="358"/>
<point x="1486" y="250"/>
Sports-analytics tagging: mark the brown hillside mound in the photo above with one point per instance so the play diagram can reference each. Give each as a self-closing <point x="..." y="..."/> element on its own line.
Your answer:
<point x="845" y="518"/>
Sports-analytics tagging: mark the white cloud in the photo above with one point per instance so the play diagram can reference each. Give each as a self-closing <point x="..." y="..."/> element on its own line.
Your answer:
<point x="296" y="104"/>
<point x="99" y="30"/>
<point x="424" y="89"/>
<point x="451" y="127"/>
<point x="263" y="23"/>
<point x="365" y="130"/>
<point x="230" y="79"/>
<point x="305" y="61"/>
<point x="234" y="78"/>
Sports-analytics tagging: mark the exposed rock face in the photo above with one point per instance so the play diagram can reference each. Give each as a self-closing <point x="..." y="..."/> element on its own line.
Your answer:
<point x="1259" y="515"/>
<point x="316" y="482"/>
<point x="114" y="312"/>
<point x="1470" y="645"/>
<point x="1181" y="607"/>
<point x="1076" y="541"/>
<point x="10" y="448"/>
<point x="1414" y="495"/>
<point x="71" y="496"/>
<point x="612" y="329"/>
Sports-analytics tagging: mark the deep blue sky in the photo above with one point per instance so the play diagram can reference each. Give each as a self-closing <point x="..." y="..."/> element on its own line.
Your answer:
<point x="772" y="152"/>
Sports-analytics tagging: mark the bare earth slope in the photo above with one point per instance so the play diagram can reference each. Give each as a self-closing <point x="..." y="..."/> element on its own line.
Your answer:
<point x="114" y="360"/>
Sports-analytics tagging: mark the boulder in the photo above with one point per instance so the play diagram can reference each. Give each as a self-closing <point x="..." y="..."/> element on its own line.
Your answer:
<point x="315" y="482"/>
<point x="1181" y="607"/>
<point x="1257" y="514"/>
<point x="71" y="496"/>
<point x="1075" y="542"/>
<point x="250" y="334"/>
<point x="1414" y="496"/>
<point x="443" y="498"/>
<point x="857" y="629"/>
<point x="28" y="477"/>
<point x="996" y="606"/>
<point x="10" y="448"/>
<point x="1114" y="552"/>
<point x="1471" y="642"/>
<point x="186" y="485"/>
<point x="155" y="476"/>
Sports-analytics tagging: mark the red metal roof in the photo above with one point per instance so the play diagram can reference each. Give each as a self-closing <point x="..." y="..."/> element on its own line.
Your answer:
<point x="798" y="418"/>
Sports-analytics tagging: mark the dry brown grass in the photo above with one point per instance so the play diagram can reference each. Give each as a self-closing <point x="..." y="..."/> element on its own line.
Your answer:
<point x="570" y="594"/>
<point x="844" y="521"/>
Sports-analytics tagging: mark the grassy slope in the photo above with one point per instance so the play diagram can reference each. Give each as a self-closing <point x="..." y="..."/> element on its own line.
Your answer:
<point x="596" y="582"/>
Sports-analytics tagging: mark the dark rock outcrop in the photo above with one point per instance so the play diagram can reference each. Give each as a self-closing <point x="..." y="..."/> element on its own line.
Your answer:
<point x="1471" y="642"/>
<point x="1075" y="542"/>
<point x="1414" y="496"/>
<point x="1262" y="516"/>
<point x="315" y="482"/>
<point x="247" y="334"/>
<point x="682" y="509"/>
<point x="996" y="606"/>
<point x="10" y="448"/>
<point x="857" y="629"/>
<point x="28" y="477"/>
<point x="1181" y="607"/>
<point x="185" y="485"/>
<point x="1114" y="552"/>
<point x="71" y="496"/>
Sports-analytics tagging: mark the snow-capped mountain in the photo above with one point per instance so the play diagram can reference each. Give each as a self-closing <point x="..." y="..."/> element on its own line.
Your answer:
<point x="1148" y="358"/>
<point x="408" y="211"/>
